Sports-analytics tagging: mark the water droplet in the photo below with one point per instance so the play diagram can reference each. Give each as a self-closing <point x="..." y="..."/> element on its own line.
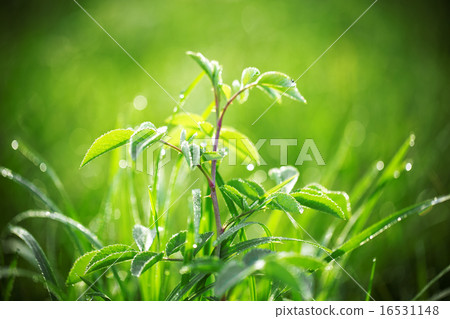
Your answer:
<point x="160" y="228"/>
<point x="396" y="174"/>
<point x="43" y="167"/>
<point x="140" y="102"/>
<point x="408" y="166"/>
<point x="123" y="164"/>
<point x="7" y="173"/>
<point x="194" y="246"/>
<point x="163" y="152"/>
<point x="380" y="165"/>
<point x="14" y="145"/>
<point x="412" y="140"/>
<point x="250" y="167"/>
<point x="175" y="109"/>
<point x="371" y="237"/>
<point x="259" y="176"/>
<point x="181" y="96"/>
<point x="399" y="219"/>
<point x="260" y="264"/>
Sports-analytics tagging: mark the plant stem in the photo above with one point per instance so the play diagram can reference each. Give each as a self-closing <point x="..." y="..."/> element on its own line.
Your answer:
<point x="212" y="185"/>
<point x="198" y="166"/>
<point x="212" y="179"/>
<point x="215" y="147"/>
<point x="172" y="146"/>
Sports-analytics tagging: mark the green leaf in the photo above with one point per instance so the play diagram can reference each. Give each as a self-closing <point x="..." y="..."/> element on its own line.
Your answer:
<point x="256" y="254"/>
<point x="340" y="198"/>
<point x="233" y="230"/>
<point x="204" y="238"/>
<point x="143" y="261"/>
<point x="191" y="121"/>
<point x="245" y="245"/>
<point x="197" y="209"/>
<point x="79" y="267"/>
<point x="204" y="63"/>
<point x="277" y="266"/>
<point x="106" y="143"/>
<point x="211" y="68"/>
<point x="175" y="243"/>
<point x="233" y="194"/>
<point x="186" y="150"/>
<point x="217" y="74"/>
<point x="191" y="153"/>
<point x="226" y="90"/>
<point x="195" y="155"/>
<point x="184" y="95"/>
<point x="283" y="273"/>
<point x="211" y="156"/>
<point x="315" y="199"/>
<point x="384" y="224"/>
<point x="143" y="236"/>
<point x="249" y="75"/>
<point x="273" y="94"/>
<point x="182" y="136"/>
<point x="239" y="143"/>
<point x="430" y="283"/>
<point x="38" y="253"/>
<point x="38" y="161"/>
<point x="210" y="264"/>
<point x="182" y="288"/>
<point x="109" y="256"/>
<point x="7" y="173"/>
<point x="236" y="86"/>
<point x="298" y="260"/>
<point x="96" y="292"/>
<point x="285" y="202"/>
<point x="282" y="83"/>
<point x="231" y="274"/>
<point x="247" y="188"/>
<point x="285" y="177"/>
<point x="230" y="204"/>
<point x="62" y="219"/>
<point x="242" y="246"/>
<point x="372" y="275"/>
<point x="146" y="135"/>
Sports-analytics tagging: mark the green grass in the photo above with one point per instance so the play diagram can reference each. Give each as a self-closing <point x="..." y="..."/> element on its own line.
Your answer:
<point x="222" y="239"/>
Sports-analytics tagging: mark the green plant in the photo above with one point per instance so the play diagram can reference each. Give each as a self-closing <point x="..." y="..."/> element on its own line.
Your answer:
<point x="214" y="259"/>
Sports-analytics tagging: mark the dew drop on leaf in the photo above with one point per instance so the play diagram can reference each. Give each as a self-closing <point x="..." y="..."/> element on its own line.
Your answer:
<point x="123" y="164"/>
<point x="408" y="167"/>
<point x="140" y="102"/>
<point x="380" y="165"/>
<point x="14" y="145"/>
<point x="43" y="167"/>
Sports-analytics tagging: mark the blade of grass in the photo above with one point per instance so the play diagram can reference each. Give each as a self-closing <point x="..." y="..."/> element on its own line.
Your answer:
<point x="379" y="227"/>
<point x="44" y="167"/>
<point x="432" y="282"/>
<point x="43" y="263"/>
<point x="62" y="219"/>
<point x="372" y="274"/>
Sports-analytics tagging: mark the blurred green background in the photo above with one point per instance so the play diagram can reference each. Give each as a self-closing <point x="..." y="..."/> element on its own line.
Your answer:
<point x="64" y="82"/>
